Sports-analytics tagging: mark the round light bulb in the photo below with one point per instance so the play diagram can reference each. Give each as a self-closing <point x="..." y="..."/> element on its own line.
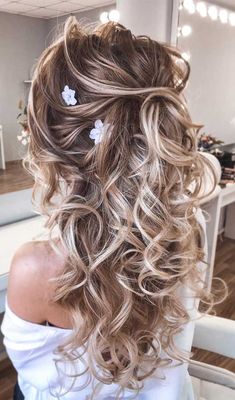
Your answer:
<point x="232" y="19"/>
<point x="114" y="15"/>
<point x="186" y="30"/>
<point x="202" y="9"/>
<point x="213" y="12"/>
<point x="189" y="6"/>
<point x="186" y="55"/>
<point x="104" y="17"/>
<point x="223" y="16"/>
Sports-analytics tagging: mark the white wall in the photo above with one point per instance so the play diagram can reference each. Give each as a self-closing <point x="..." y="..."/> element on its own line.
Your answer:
<point x="147" y="17"/>
<point x="211" y="89"/>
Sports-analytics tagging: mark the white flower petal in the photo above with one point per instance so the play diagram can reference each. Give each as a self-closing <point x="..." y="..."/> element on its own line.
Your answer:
<point x="68" y="96"/>
<point x="19" y="138"/>
<point x="99" y="130"/>
<point x="65" y="96"/>
<point x="98" y="124"/>
<point x="98" y="139"/>
<point x="24" y="142"/>
<point x="94" y="133"/>
<point x="73" y="101"/>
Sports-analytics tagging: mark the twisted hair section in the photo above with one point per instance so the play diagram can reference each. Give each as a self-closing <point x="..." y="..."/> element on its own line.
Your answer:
<point x="125" y="216"/>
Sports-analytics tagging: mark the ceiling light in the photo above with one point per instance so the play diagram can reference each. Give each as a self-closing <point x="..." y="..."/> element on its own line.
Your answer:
<point x="223" y="15"/>
<point x="104" y="17"/>
<point x="186" y="30"/>
<point x="114" y="15"/>
<point x="213" y="12"/>
<point x="202" y="9"/>
<point x="232" y="19"/>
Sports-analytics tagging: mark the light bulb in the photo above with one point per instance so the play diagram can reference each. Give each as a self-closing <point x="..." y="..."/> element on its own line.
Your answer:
<point x="189" y="6"/>
<point x="186" y="55"/>
<point x="104" y="17"/>
<point x="186" y="30"/>
<point x="202" y="9"/>
<point x="114" y="15"/>
<point x="192" y="9"/>
<point x="232" y="19"/>
<point x="213" y="12"/>
<point x="223" y="16"/>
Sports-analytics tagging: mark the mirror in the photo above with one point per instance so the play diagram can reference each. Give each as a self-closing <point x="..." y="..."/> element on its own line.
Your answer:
<point x="22" y="39"/>
<point x="206" y="37"/>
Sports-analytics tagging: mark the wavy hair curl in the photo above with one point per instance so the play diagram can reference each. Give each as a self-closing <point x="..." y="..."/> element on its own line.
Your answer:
<point x="126" y="216"/>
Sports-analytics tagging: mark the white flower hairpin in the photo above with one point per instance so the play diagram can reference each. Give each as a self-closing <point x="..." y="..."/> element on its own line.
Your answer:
<point x="98" y="131"/>
<point x="24" y="138"/>
<point x="69" y="96"/>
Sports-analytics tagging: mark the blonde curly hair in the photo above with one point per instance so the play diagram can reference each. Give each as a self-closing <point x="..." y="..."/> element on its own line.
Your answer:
<point x="127" y="218"/>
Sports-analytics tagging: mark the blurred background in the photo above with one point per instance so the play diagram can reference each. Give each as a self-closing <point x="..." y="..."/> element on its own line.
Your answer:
<point x="205" y="34"/>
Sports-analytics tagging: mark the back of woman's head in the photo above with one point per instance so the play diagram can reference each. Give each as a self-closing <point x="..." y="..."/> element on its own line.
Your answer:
<point x="126" y="216"/>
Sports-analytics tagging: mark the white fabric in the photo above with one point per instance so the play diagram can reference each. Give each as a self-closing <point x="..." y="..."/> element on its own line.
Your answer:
<point x="30" y="347"/>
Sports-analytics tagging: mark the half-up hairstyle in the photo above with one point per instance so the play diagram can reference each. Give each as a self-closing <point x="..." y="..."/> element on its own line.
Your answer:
<point x="126" y="216"/>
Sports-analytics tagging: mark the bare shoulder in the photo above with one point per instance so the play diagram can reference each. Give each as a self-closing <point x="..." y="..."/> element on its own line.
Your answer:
<point x="32" y="265"/>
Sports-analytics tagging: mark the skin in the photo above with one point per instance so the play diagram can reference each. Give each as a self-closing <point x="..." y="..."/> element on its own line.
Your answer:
<point x="29" y="292"/>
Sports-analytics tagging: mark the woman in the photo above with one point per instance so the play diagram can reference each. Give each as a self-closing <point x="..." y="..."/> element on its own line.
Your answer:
<point x="103" y="311"/>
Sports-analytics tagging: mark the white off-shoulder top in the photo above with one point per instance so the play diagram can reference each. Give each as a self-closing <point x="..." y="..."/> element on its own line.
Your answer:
<point x="30" y="347"/>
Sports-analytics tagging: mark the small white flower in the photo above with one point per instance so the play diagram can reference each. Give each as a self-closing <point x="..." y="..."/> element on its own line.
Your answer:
<point x="68" y="96"/>
<point x="24" y="137"/>
<point x="24" y="133"/>
<point x="97" y="132"/>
